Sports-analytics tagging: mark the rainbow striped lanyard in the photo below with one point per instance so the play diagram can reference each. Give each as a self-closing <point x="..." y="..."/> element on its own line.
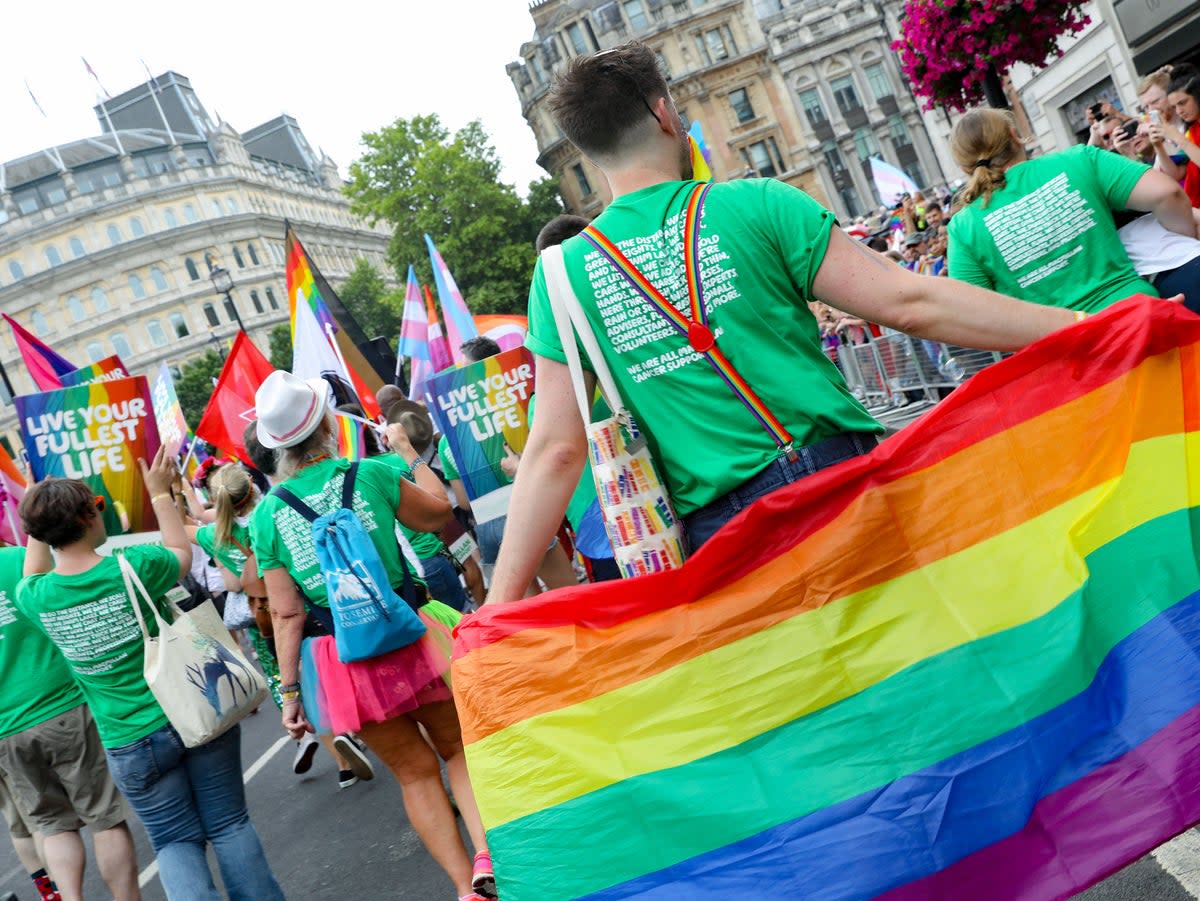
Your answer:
<point x="696" y="329"/>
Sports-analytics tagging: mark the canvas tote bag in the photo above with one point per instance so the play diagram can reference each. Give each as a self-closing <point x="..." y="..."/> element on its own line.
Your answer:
<point x="203" y="682"/>
<point x="645" y="533"/>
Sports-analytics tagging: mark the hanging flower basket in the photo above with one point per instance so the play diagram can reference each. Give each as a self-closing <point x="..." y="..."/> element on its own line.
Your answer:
<point x="949" y="46"/>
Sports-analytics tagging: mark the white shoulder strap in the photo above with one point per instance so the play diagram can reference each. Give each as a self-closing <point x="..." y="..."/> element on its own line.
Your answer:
<point x="569" y="313"/>
<point x="137" y="591"/>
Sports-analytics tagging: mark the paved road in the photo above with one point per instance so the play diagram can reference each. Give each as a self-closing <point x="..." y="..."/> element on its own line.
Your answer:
<point x="330" y="845"/>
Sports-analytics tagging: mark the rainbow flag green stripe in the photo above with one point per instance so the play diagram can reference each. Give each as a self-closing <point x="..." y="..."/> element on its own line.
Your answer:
<point x="889" y="700"/>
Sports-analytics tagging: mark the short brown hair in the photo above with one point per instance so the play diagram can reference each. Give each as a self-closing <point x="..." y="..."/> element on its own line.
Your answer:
<point x="58" y="511"/>
<point x="558" y="230"/>
<point x="598" y="99"/>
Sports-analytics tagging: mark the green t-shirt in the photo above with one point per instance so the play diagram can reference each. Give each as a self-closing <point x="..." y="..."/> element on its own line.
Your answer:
<point x="424" y="544"/>
<point x="35" y="681"/>
<point x="89" y="617"/>
<point x="1048" y="235"/>
<point x="283" y="538"/>
<point x="229" y="556"/>
<point x="449" y="467"/>
<point x="762" y="242"/>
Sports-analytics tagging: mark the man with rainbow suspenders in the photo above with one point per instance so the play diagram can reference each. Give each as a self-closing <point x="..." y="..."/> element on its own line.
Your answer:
<point x="699" y="297"/>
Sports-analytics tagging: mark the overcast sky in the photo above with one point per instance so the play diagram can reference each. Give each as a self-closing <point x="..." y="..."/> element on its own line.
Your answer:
<point x="341" y="67"/>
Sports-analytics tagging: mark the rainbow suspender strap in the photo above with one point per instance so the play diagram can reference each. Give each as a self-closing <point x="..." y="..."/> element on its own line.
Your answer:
<point x="695" y="328"/>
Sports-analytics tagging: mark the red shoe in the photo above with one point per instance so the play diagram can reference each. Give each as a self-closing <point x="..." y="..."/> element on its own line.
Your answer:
<point x="482" y="879"/>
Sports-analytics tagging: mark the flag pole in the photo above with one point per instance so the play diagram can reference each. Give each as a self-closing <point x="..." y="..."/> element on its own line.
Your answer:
<point x="375" y="427"/>
<point x="155" y="90"/>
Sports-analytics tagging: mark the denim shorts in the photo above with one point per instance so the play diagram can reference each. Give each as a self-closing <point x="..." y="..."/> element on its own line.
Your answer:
<point x="703" y="523"/>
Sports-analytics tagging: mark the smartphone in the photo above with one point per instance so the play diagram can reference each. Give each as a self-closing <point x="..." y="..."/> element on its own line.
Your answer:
<point x="1130" y="128"/>
<point x="1155" y="117"/>
<point x="1095" y="110"/>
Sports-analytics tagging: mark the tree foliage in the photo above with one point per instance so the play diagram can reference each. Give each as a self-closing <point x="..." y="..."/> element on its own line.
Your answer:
<point x="421" y="179"/>
<point x="366" y="296"/>
<point x="279" y="347"/>
<point x="195" y="385"/>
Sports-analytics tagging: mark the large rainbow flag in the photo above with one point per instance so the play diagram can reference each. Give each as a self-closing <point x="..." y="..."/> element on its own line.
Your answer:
<point x="966" y="666"/>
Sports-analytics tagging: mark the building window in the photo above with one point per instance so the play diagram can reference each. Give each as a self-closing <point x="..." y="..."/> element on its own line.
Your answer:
<point x="178" y="325"/>
<point x="585" y="186"/>
<point x="237" y="257"/>
<point x="189" y="213"/>
<point x="230" y="310"/>
<point x="865" y="143"/>
<point x="635" y="10"/>
<point x="877" y="80"/>
<point x="160" y="280"/>
<point x="121" y="346"/>
<point x="114" y="234"/>
<point x="154" y="329"/>
<point x="40" y="325"/>
<point x="810" y="100"/>
<point x="100" y="300"/>
<point x="899" y="131"/>
<point x="75" y="308"/>
<point x="15" y="270"/>
<point x="76" y="246"/>
<point x="210" y="314"/>
<point x="53" y="257"/>
<point x="232" y="205"/>
<point x="740" y="101"/>
<point x="190" y="265"/>
<point x="216" y="205"/>
<point x="136" y="287"/>
<point x="763" y="158"/>
<point x="271" y="299"/>
<point x="95" y="352"/>
<point x="254" y="299"/>
<point x="575" y="36"/>
<point x="719" y="42"/>
<point x="169" y="218"/>
<point x="136" y="227"/>
<point x="844" y="93"/>
<point x="253" y="254"/>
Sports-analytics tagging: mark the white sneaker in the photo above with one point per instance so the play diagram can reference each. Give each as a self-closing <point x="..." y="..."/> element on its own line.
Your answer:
<point x="306" y="750"/>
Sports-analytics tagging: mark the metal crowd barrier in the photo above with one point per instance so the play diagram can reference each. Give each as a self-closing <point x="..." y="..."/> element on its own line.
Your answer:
<point x="894" y="370"/>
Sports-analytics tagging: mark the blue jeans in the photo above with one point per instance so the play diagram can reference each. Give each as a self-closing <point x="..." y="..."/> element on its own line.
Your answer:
<point x="185" y="797"/>
<point x="702" y="524"/>
<point x="1183" y="280"/>
<point x="441" y="578"/>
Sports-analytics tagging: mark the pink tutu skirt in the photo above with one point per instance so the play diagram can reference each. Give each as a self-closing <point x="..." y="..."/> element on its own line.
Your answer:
<point x="340" y="697"/>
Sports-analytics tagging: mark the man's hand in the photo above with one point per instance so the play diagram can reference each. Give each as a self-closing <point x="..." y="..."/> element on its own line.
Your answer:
<point x="397" y="439"/>
<point x="510" y="462"/>
<point x="295" y="723"/>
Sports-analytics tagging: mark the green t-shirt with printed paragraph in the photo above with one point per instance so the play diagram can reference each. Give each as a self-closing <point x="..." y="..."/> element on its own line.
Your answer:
<point x="761" y="244"/>
<point x="1048" y="236"/>
<point x="35" y="681"/>
<point x="284" y="538"/>
<point x="230" y="555"/>
<point x="90" y="618"/>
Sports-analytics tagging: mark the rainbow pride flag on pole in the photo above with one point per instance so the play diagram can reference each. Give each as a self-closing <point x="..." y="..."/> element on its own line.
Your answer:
<point x="460" y="326"/>
<point x="966" y="666"/>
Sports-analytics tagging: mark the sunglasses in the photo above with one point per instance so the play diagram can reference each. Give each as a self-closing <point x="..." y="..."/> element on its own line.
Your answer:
<point x="101" y="503"/>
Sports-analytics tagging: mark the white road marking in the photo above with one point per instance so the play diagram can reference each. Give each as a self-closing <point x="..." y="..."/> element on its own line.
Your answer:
<point x="152" y="870"/>
<point x="1181" y="858"/>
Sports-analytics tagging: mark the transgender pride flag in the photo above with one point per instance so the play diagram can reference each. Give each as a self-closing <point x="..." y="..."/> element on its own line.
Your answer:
<point x="891" y="182"/>
<point x="414" y="338"/>
<point x="460" y="326"/>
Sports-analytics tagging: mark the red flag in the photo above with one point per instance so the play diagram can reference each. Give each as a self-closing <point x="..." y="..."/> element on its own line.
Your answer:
<point x="46" y="366"/>
<point x="231" y="407"/>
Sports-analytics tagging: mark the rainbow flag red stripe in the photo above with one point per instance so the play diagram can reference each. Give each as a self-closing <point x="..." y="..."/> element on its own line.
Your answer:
<point x="702" y="341"/>
<point x="965" y="666"/>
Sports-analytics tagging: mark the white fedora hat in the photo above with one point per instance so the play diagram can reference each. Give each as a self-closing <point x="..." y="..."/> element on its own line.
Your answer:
<point x="289" y="408"/>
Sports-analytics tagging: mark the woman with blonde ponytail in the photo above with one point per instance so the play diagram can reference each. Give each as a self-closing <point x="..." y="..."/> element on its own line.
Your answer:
<point x="1042" y="229"/>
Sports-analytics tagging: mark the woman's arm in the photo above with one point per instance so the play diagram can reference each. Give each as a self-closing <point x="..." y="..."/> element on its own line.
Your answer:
<point x="197" y="510"/>
<point x="37" y="558"/>
<point x="229" y="579"/>
<point x="1170" y="132"/>
<point x="287" y="619"/>
<point x="158" y="477"/>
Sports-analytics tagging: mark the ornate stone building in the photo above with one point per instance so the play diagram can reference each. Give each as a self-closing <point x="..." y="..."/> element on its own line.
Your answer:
<point x="106" y="243"/>
<point x="834" y="56"/>
<point x="720" y="71"/>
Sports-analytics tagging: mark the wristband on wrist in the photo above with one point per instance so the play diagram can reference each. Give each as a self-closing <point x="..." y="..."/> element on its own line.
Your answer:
<point x="294" y="688"/>
<point x="161" y="495"/>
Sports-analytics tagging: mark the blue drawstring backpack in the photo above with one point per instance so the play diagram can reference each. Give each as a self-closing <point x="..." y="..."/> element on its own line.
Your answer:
<point x="369" y="618"/>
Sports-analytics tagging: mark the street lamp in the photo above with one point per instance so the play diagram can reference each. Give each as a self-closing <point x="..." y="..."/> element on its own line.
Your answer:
<point x="223" y="282"/>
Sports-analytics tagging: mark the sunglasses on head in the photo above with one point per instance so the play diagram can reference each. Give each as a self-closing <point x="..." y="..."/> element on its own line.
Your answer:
<point x="101" y="503"/>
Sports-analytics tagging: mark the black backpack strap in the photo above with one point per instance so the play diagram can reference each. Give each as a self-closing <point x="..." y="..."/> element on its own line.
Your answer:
<point x="295" y="503"/>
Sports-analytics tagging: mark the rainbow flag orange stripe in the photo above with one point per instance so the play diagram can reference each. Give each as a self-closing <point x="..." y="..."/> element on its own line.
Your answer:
<point x="966" y="666"/>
